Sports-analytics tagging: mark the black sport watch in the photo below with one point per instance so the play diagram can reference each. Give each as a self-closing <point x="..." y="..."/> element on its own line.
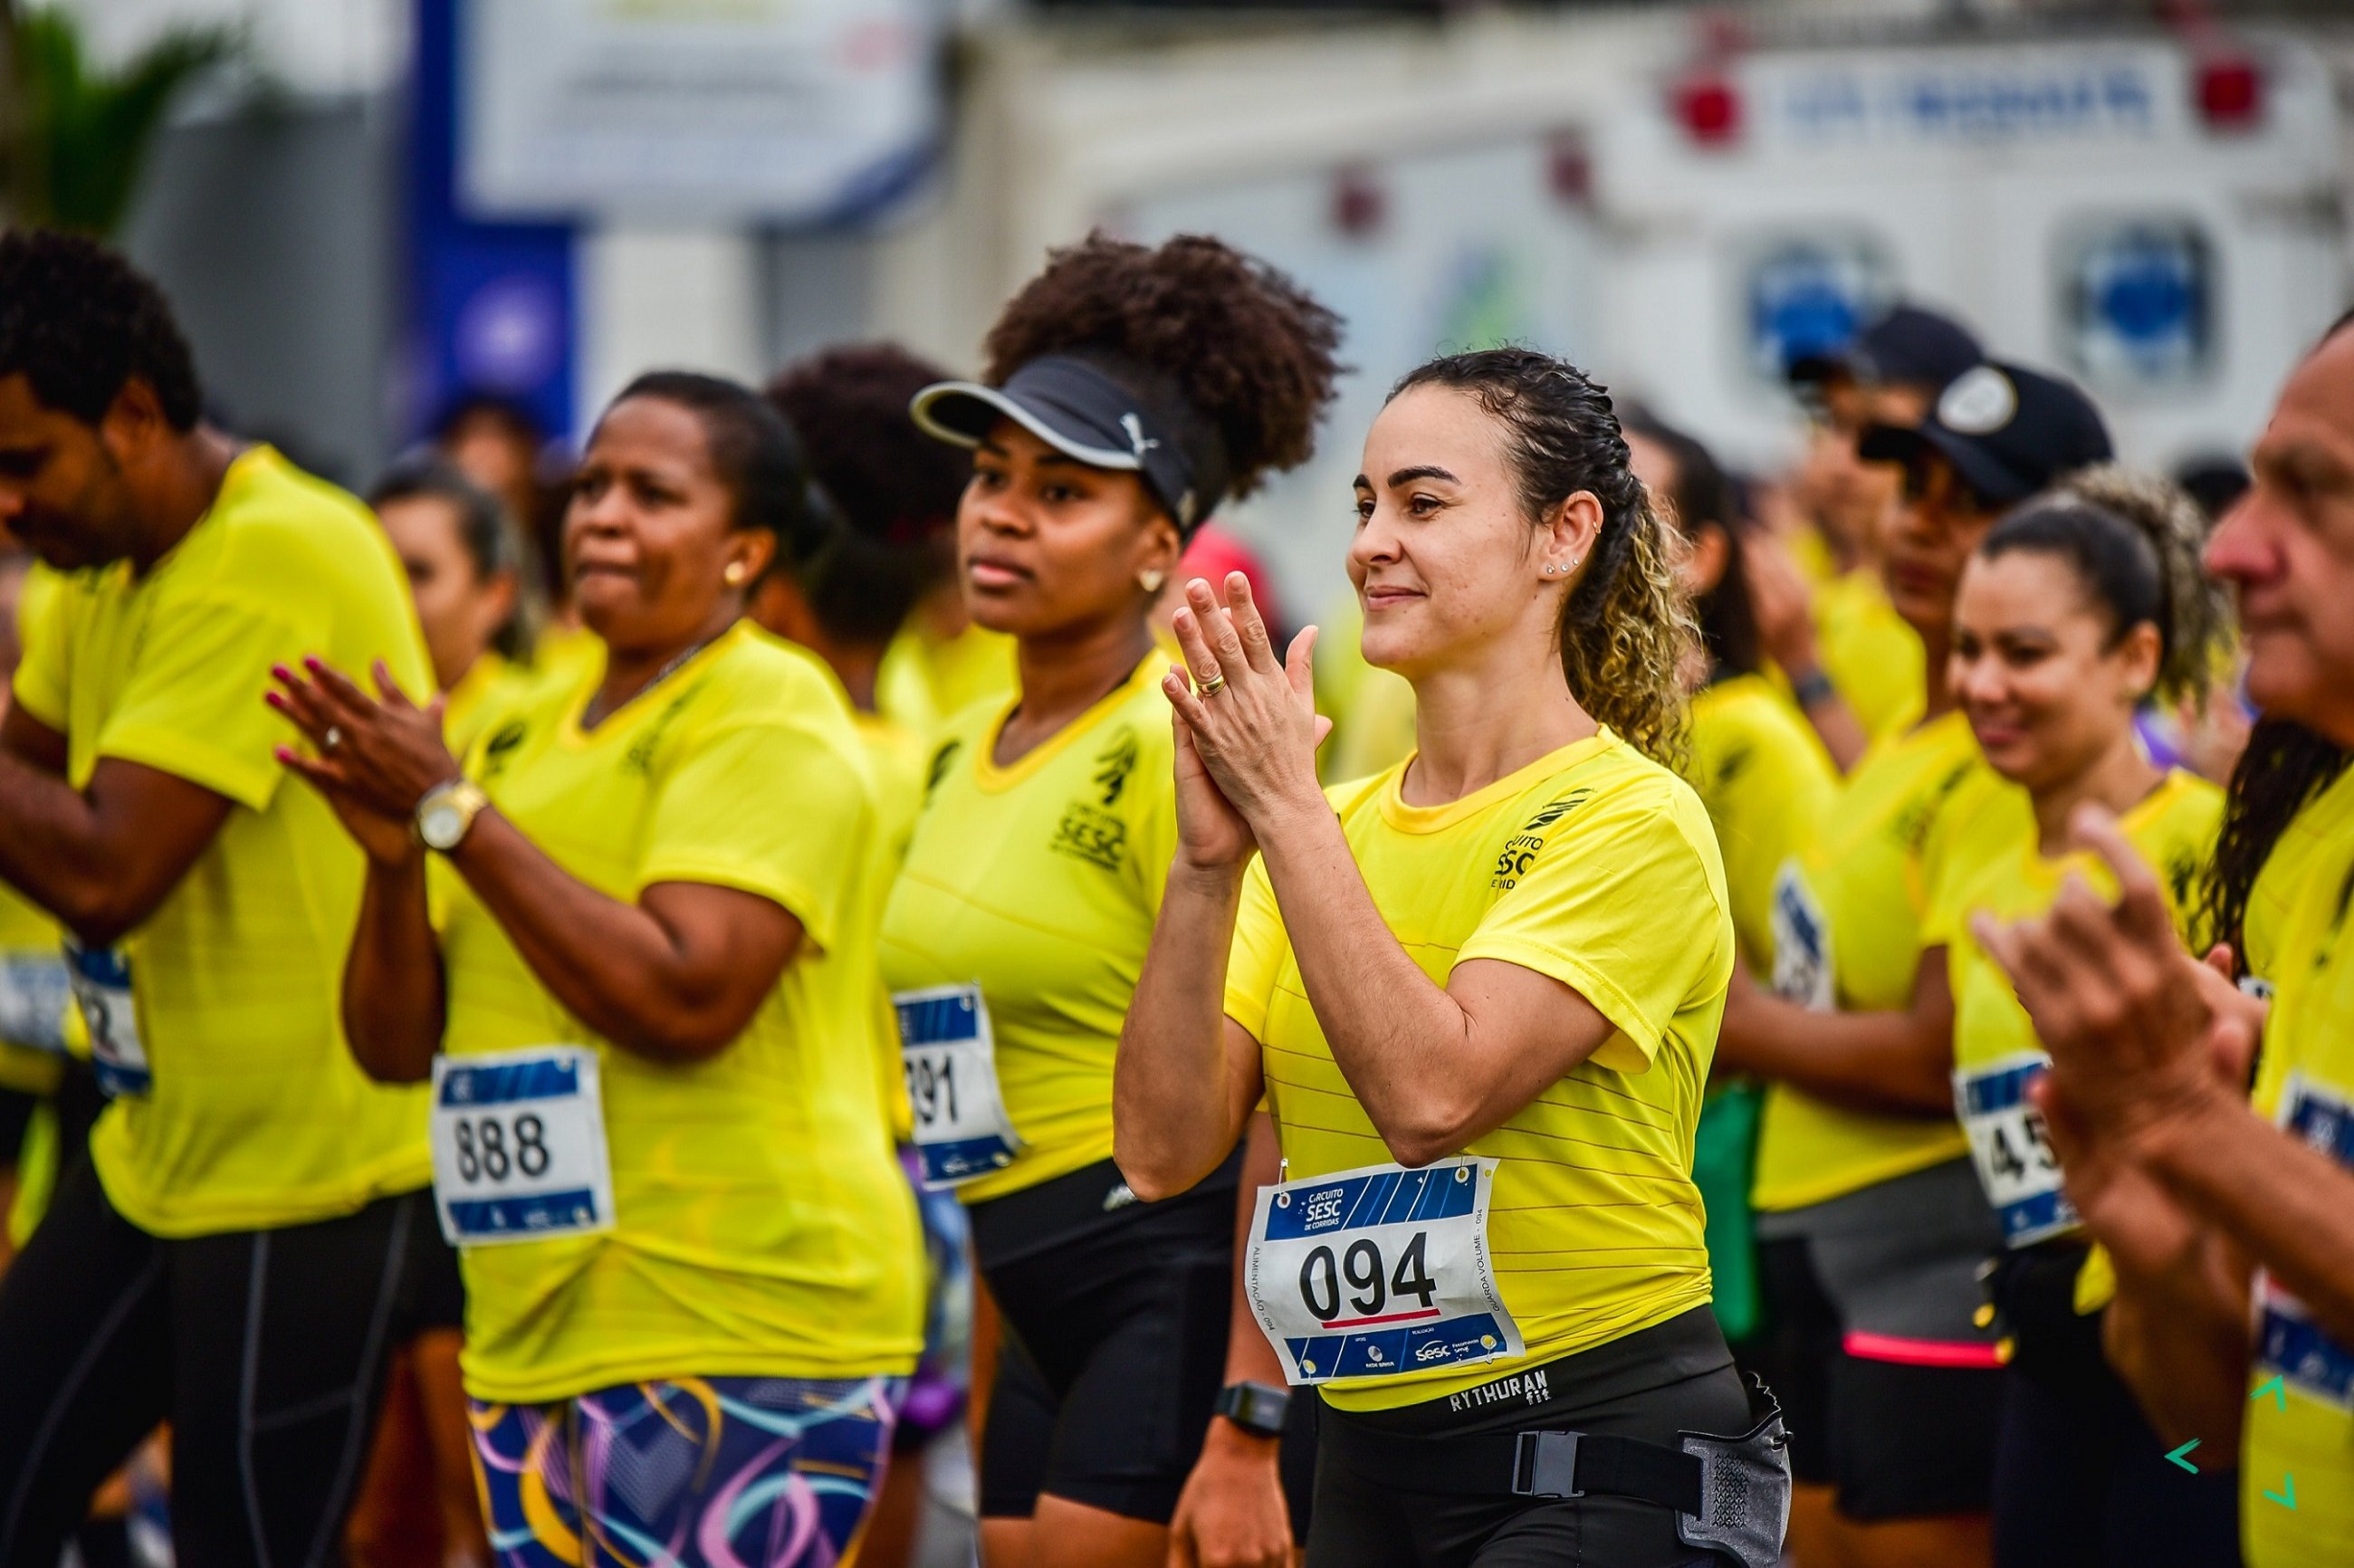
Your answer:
<point x="1257" y="1408"/>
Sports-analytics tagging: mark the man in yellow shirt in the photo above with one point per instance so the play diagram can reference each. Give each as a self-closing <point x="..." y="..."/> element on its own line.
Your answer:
<point x="232" y="1256"/>
<point x="1854" y="667"/>
<point x="2202" y="1202"/>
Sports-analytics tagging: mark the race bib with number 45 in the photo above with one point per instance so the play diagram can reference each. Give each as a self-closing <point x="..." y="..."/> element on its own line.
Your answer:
<point x="101" y="977"/>
<point x="1379" y="1272"/>
<point x="2016" y="1165"/>
<point x="519" y="1146"/>
<point x="2288" y="1342"/>
<point x="961" y="1131"/>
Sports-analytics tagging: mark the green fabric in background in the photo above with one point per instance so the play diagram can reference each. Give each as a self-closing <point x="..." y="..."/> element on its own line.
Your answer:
<point x="1725" y="1155"/>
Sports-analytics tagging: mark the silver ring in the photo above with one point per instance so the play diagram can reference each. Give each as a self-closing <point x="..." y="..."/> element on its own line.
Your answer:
<point x="331" y="739"/>
<point x="1210" y="687"/>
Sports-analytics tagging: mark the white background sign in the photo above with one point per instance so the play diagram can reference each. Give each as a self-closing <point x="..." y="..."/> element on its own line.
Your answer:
<point x="792" y="111"/>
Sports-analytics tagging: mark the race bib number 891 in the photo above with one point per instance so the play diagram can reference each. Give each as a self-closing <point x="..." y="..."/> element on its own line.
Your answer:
<point x="961" y="1131"/>
<point x="519" y="1146"/>
<point x="1379" y="1272"/>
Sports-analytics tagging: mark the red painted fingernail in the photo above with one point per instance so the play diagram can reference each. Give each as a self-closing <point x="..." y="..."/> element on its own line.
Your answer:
<point x="312" y="663"/>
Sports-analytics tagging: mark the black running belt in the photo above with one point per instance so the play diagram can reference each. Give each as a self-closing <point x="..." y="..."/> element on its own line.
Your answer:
<point x="1523" y="1464"/>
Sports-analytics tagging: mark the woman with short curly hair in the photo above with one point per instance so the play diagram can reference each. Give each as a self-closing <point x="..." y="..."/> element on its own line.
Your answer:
<point x="1479" y="995"/>
<point x="1130" y="391"/>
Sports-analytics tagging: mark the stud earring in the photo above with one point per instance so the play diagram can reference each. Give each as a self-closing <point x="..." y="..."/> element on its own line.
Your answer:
<point x="734" y="576"/>
<point x="1151" y="578"/>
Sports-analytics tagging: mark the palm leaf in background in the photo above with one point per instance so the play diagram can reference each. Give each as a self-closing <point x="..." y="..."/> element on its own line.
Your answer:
<point x="80" y="137"/>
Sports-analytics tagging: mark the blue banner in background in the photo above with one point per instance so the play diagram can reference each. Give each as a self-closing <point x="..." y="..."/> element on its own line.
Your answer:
<point x="491" y="307"/>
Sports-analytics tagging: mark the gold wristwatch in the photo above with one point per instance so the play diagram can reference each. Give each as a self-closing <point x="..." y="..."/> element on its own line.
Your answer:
<point x="447" y="812"/>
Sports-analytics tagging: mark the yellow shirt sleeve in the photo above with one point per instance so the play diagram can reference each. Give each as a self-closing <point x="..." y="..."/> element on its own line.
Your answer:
<point x="1628" y="912"/>
<point x="764" y="808"/>
<point x="41" y="675"/>
<point x="1256" y="956"/>
<point x="181" y="714"/>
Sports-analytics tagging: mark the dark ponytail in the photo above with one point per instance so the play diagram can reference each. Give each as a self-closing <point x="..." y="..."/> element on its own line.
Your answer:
<point x="1625" y="622"/>
<point x="2284" y="766"/>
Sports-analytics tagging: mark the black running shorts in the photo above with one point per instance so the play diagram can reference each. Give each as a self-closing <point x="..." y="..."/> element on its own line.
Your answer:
<point x="1116" y="1315"/>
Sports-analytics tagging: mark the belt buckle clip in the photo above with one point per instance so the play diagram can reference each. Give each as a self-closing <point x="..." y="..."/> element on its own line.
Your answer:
<point x="1544" y="1465"/>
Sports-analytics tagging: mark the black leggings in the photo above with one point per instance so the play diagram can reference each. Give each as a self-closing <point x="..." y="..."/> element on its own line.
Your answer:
<point x="266" y="1350"/>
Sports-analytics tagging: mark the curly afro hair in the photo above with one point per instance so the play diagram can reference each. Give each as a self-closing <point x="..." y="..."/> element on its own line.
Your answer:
<point x="890" y="480"/>
<point x="77" y="321"/>
<point x="894" y="488"/>
<point x="1247" y="353"/>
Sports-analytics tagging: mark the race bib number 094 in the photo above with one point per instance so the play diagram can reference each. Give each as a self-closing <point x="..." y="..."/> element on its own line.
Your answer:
<point x="519" y="1146"/>
<point x="1379" y="1272"/>
<point x="2016" y="1165"/>
<point x="2288" y="1342"/>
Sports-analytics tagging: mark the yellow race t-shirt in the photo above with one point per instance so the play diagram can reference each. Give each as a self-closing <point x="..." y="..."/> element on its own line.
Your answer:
<point x="926" y="679"/>
<point x="2327" y="818"/>
<point x="1597" y="867"/>
<point x="34" y="998"/>
<point x="1848" y="920"/>
<point x="258" y="1116"/>
<point x="1039" y="882"/>
<point x="1873" y="659"/>
<point x="2173" y="827"/>
<point x="1766" y="781"/>
<point x="492" y="682"/>
<point x="898" y="757"/>
<point x="2305" y="1430"/>
<point x="761" y="1225"/>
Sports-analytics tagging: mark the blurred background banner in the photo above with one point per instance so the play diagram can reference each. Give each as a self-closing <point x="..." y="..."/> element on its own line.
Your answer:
<point x="369" y="207"/>
<point x="780" y="112"/>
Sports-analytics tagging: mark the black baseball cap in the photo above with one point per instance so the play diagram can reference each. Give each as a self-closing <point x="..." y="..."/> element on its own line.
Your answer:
<point x="1083" y="411"/>
<point x="1908" y="346"/>
<point x="2008" y="432"/>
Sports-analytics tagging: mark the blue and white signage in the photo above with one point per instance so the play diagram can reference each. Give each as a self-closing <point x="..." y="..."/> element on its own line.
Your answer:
<point x="786" y="111"/>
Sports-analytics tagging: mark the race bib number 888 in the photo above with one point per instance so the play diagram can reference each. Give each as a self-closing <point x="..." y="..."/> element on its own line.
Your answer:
<point x="519" y="1146"/>
<point x="1379" y="1272"/>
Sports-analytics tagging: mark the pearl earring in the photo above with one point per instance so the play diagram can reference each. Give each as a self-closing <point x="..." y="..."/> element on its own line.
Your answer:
<point x="1151" y="578"/>
<point x="734" y="576"/>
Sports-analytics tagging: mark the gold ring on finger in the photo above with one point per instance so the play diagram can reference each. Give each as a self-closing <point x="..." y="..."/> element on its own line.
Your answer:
<point x="1210" y="687"/>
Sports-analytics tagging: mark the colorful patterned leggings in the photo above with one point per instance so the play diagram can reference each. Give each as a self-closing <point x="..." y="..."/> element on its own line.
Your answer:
<point x="722" y="1472"/>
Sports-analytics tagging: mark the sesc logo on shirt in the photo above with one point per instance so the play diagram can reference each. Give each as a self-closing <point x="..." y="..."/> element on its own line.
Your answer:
<point x="1520" y="851"/>
<point x="1089" y="830"/>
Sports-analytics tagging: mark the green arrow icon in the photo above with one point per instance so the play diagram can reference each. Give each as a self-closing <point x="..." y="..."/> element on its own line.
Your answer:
<point x="2288" y="1485"/>
<point x="2280" y="1398"/>
<point x="2176" y="1457"/>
